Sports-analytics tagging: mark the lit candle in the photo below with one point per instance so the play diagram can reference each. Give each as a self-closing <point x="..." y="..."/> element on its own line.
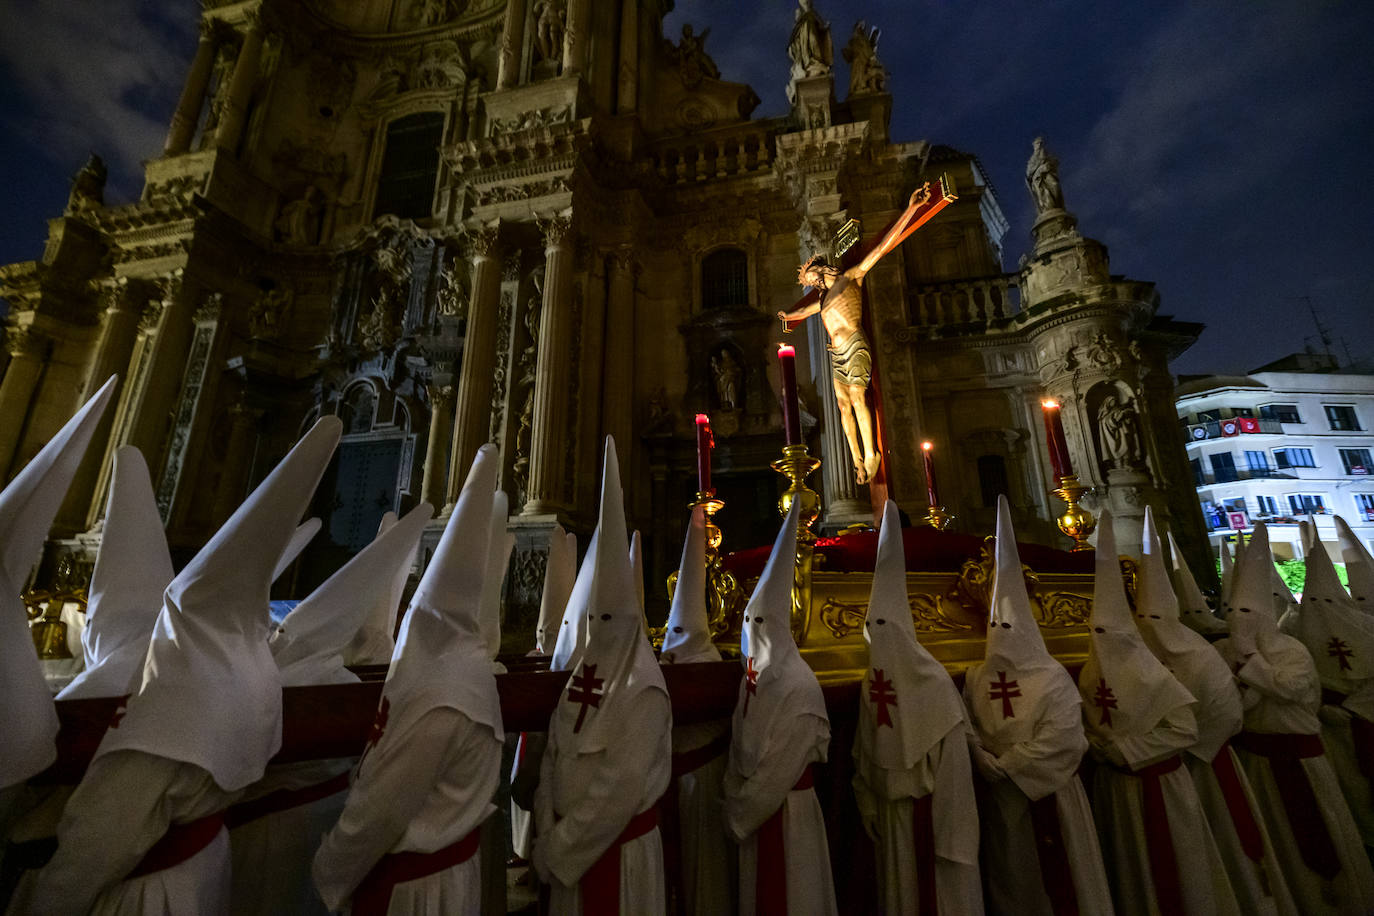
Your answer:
<point x="1054" y="438"/>
<point x="932" y="492"/>
<point x="791" y="416"/>
<point x="705" y="442"/>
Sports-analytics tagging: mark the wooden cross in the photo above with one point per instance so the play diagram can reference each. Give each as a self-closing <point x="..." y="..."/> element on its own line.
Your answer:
<point x="586" y="690"/>
<point x="1008" y="690"/>
<point x="1340" y="651"/>
<point x="881" y="694"/>
<point x="1104" y="700"/>
<point x="751" y="683"/>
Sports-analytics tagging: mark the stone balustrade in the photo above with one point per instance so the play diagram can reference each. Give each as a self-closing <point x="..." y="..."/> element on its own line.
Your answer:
<point x="978" y="301"/>
<point x="713" y="155"/>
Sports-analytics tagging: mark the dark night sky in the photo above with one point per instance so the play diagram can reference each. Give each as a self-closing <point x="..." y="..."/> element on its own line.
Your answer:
<point x="1220" y="149"/>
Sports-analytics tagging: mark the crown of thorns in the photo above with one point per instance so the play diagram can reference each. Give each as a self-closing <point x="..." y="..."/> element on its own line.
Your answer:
<point x="815" y="260"/>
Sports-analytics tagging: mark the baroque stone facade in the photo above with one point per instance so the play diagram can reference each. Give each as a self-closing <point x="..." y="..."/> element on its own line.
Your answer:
<point x="536" y="223"/>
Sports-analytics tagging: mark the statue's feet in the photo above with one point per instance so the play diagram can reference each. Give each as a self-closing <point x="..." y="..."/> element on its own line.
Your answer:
<point x="860" y="474"/>
<point x="871" y="465"/>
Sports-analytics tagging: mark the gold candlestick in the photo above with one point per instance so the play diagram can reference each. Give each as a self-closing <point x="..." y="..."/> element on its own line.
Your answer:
<point x="1076" y="522"/>
<point x="796" y="464"/>
<point x="724" y="597"/>
<point x="938" y="518"/>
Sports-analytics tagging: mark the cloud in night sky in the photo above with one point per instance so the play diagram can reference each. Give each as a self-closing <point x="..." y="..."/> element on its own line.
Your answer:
<point x="1221" y="150"/>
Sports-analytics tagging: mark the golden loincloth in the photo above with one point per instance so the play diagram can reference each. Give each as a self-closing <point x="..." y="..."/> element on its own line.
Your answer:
<point x="852" y="364"/>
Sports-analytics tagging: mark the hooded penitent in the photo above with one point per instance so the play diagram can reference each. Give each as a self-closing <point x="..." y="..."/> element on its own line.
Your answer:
<point x="687" y="637"/>
<point x="1359" y="567"/>
<point x="132" y="570"/>
<point x="1125" y="689"/>
<point x="304" y="534"/>
<point x="777" y="683"/>
<point x="902" y="673"/>
<point x="309" y="644"/>
<point x="559" y="575"/>
<point x="500" y="543"/>
<point x="1192" y="606"/>
<point x="27" y="508"/>
<point x="1184" y="651"/>
<point x="617" y="662"/>
<point x="441" y="658"/>
<point x="211" y="693"/>
<point x="1339" y="636"/>
<point x="375" y="640"/>
<point x="572" y="630"/>
<point x="1254" y="622"/>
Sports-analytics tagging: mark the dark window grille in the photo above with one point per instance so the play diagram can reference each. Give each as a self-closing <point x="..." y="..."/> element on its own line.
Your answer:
<point x="410" y="166"/>
<point x="725" y="279"/>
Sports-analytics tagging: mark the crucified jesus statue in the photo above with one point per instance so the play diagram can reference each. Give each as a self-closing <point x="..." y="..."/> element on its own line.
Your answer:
<point x="838" y="296"/>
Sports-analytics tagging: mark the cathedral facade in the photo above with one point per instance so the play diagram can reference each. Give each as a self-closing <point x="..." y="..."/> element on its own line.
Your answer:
<point x="535" y="223"/>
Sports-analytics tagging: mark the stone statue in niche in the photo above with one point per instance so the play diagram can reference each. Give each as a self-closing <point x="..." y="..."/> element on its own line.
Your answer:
<point x="727" y="377"/>
<point x="452" y="298"/>
<point x="549" y="16"/>
<point x="298" y="223"/>
<point x="1042" y="178"/>
<point x="88" y="187"/>
<point x="1118" y="428"/>
<point x="693" y="62"/>
<point x="866" y="72"/>
<point x="267" y="315"/>
<point x="809" y="45"/>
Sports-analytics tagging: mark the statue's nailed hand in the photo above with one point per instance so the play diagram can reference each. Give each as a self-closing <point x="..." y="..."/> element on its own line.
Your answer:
<point x="920" y="196"/>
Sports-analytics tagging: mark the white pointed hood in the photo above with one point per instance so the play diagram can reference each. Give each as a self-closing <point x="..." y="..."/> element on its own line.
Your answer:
<point x="1228" y="579"/>
<point x="27" y="508"/>
<point x="1359" y="567"/>
<point x="211" y="693"/>
<point x="1254" y="620"/>
<point x="909" y="701"/>
<point x="375" y="640"/>
<point x="309" y="645"/>
<point x="778" y="684"/>
<point x="304" y="534"/>
<point x="441" y="657"/>
<point x="1192" y="606"/>
<point x="1331" y="626"/>
<point x="1126" y="691"/>
<point x="560" y="572"/>
<point x="1014" y="642"/>
<point x="572" y="629"/>
<point x="500" y="543"/>
<point x="1307" y="531"/>
<point x="617" y="661"/>
<point x="687" y="636"/>
<point x="132" y="570"/>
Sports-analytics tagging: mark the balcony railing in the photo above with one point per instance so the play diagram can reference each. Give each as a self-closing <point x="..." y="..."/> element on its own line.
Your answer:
<point x="1266" y="427"/>
<point x="1239" y="474"/>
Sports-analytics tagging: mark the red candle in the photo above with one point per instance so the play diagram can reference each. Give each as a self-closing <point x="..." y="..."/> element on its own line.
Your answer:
<point x="791" y="416"/>
<point x="705" y="442"/>
<point x="1054" y="438"/>
<point x="932" y="492"/>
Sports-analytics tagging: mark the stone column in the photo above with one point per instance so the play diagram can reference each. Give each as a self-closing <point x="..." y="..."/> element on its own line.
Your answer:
<point x="432" y="488"/>
<point x="187" y="115"/>
<point x="472" y="416"/>
<point x="28" y="351"/>
<point x="241" y="85"/>
<point x="575" y="36"/>
<point x="618" y="368"/>
<point x="152" y="403"/>
<point x="627" y="92"/>
<point x="512" y="44"/>
<point x="548" y="444"/>
<point x="238" y="453"/>
<point x="118" y="333"/>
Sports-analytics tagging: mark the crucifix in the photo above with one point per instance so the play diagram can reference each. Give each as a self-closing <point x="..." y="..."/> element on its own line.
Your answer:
<point x="837" y="296"/>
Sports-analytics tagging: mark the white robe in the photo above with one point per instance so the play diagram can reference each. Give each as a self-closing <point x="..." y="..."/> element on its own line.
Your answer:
<point x="886" y="800"/>
<point x="1042" y="766"/>
<point x="272" y="854"/>
<point x="750" y="801"/>
<point x="420" y="791"/>
<point x="124" y="805"/>
<point x="1340" y="750"/>
<point x="583" y="804"/>
<point x="1118" y="803"/>
<point x="1281" y="694"/>
<point x="708" y="859"/>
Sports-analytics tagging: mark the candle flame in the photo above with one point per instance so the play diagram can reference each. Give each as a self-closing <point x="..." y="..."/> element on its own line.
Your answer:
<point x="703" y="420"/>
<point x="1050" y="404"/>
<point x="786" y="350"/>
<point x="927" y="446"/>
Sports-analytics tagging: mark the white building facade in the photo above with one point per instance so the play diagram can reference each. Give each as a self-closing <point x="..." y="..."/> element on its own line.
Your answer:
<point x="1279" y="444"/>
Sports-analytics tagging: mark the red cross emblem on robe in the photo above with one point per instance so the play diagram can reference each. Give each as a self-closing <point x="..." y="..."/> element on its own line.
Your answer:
<point x="1104" y="700"/>
<point x="751" y="683"/>
<point x="585" y="690"/>
<point x="1004" y="690"/>
<point x="881" y="695"/>
<point x="1340" y="651"/>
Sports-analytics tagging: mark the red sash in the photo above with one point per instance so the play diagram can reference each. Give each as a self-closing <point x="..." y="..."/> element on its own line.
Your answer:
<point x="923" y="829"/>
<point x="1159" y="842"/>
<point x="600" y="884"/>
<point x="283" y="800"/>
<point x="1285" y="753"/>
<point x="373" y="896"/>
<point x="770" y="872"/>
<point x="1242" y="818"/>
<point x="1055" y="874"/>
<point x="179" y="843"/>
